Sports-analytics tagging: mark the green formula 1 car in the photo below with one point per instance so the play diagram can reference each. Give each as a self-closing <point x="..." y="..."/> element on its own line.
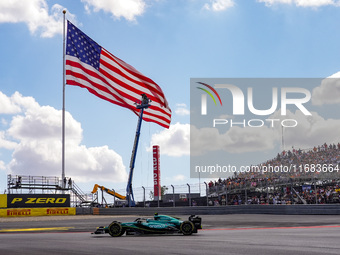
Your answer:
<point x="160" y="224"/>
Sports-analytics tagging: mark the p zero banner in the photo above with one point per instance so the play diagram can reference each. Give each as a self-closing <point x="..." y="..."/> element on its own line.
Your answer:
<point x="37" y="200"/>
<point x="156" y="173"/>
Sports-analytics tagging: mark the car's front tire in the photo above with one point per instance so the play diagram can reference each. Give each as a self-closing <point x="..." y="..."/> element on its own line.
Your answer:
<point x="116" y="229"/>
<point x="187" y="228"/>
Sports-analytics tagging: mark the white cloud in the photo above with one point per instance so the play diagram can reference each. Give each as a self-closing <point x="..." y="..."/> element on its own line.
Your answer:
<point x="127" y="9"/>
<point x="2" y="165"/>
<point x="38" y="148"/>
<point x="174" y="141"/>
<point x="302" y="3"/>
<point x="328" y="92"/>
<point x="36" y="14"/>
<point x="219" y="5"/>
<point x="181" y="109"/>
<point x="5" y="143"/>
<point x="234" y="140"/>
<point x="4" y="122"/>
<point x="7" y="106"/>
<point x="311" y="131"/>
<point x="179" y="177"/>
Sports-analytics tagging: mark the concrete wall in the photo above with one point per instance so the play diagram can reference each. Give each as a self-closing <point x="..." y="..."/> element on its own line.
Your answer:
<point x="218" y="210"/>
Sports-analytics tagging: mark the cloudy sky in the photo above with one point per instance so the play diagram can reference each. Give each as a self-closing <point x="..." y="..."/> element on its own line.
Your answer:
<point x="169" y="41"/>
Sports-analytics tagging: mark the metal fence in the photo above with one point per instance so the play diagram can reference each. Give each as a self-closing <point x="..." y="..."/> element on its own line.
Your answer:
<point x="172" y="195"/>
<point x="231" y="191"/>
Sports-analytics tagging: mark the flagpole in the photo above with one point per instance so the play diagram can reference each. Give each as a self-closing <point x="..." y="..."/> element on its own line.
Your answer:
<point x="63" y="113"/>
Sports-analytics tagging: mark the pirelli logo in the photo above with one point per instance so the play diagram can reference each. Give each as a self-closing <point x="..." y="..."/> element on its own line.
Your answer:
<point x="37" y="200"/>
<point x="26" y="212"/>
<point x="19" y="212"/>
<point x="57" y="211"/>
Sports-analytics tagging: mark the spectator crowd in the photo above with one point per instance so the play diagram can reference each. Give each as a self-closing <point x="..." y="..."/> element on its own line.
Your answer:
<point x="315" y="179"/>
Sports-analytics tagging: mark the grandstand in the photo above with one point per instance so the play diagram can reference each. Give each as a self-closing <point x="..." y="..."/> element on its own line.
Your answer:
<point x="313" y="178"/>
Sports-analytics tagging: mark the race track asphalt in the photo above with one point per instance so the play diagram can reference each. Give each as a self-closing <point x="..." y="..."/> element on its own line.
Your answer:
<point x="222" y="234"/>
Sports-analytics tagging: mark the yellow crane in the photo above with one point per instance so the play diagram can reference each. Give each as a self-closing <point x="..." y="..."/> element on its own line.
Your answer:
<point x="108" y="191"/>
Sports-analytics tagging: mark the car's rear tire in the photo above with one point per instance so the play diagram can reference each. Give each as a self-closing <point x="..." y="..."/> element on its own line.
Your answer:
<point x="116" y="229"/>
<point x="187" y="228"/>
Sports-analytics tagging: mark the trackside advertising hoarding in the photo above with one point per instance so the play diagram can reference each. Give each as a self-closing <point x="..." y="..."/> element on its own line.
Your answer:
<point x="26" y="212"/>
<point x="3" y="201"/>
<point x="37" y="200"/>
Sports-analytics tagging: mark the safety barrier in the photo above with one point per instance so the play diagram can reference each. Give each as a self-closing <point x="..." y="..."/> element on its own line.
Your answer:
<point x="220" y="210"/>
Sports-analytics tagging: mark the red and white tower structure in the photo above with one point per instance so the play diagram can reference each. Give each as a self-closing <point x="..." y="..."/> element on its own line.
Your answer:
<point x="156" y="173"/>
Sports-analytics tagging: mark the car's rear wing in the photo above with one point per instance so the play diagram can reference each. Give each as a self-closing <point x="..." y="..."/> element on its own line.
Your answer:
<point x="196" y="220"/>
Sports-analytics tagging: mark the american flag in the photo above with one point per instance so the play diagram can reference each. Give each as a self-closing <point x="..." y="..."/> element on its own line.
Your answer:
<point x="90" y="66"/>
